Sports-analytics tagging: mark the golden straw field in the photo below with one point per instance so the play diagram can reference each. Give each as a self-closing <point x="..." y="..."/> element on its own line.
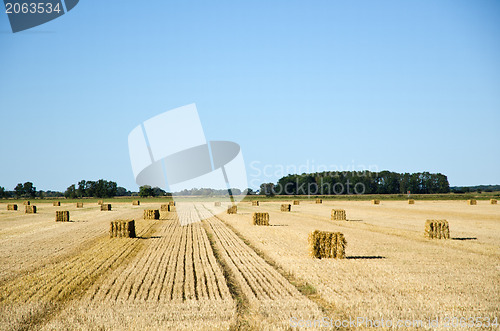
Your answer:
<point x="228" y="273"/>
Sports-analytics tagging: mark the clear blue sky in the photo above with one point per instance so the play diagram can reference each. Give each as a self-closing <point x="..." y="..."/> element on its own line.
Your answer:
<point x="405" y="86"/>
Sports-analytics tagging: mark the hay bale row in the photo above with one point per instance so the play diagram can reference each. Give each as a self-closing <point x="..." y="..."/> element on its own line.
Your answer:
<point x="122" y="229"/>
<point x="56" y="203"/>
<point x="26" y="203"/>
<point x="319" y="201"/>
<point x="62" y="216"/>
<point x="411" y="201"/>
<point x="437" y="229"/>
<point x="79" y="205"/>
<point x="217" y="203"/>
<point x="232" y="210"/>
<point x="286" y="207"/>
<point x="493" y="201"/>
<point x="136" y="203"/>
<point x="168" y="207"/>
<point x="296" y="202"/>
<point x="472" y="202"/>
<point x="323" y="244"/>
<point x="255" y="203"/>
<point x="171" y="203"/>
<point x="105" y="207"/>
<point x="29" y="209"/>
<point x="260" y="219"/>
<point x="151" y="214"/>
<point x="11" y="206"/>
<point x="100" y="202"/>
<point x="376" y="202"/>
<point x="338" y="215"/>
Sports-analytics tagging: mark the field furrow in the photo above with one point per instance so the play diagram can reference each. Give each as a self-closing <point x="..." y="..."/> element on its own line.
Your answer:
<point x="391" y="271"/>
<point x="174" y="280"/>
<point x="27" y="298"/>
<point x="272" y="298"/>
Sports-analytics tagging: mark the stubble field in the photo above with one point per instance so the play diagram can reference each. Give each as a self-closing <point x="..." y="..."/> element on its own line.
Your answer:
<point x="225" y="273"/>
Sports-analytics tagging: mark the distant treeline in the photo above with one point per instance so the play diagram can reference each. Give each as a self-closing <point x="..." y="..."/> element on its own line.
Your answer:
<point x="477" y="188"/>
<point x="358" y="182"/>
<point x="95" y="189"/>
<point x="324" y="183"/>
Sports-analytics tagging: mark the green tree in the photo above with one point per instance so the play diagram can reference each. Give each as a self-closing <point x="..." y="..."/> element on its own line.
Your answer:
<point x="82" y="186"/>
<point x="19" y="190"/>
<point x="70" y="192"/>
<point x="122" y="192"/>
<point x="267" y="189"/>
<point x="29" y="190"/>
<point x="145" y="191"/>
<point x="158" y="192"/>
<point x="2" y="192"/>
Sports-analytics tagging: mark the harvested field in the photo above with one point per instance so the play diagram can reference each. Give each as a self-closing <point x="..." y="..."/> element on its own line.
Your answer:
<point x="272" y="299"/>
<point x="391" y="270"/>
<point x="46" y="285"/>
<point x="226" y="273"/>
<point x="20" y="233"/>
<point x="173" y="282"/>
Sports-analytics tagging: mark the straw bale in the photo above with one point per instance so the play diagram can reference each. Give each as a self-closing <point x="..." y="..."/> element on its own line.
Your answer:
<point x="122" y="229"/>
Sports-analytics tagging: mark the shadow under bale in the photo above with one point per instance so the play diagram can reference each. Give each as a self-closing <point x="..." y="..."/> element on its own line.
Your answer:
<point x="376" y="257"/>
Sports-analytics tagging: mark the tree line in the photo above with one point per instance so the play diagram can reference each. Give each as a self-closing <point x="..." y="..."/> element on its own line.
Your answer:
<point x="95" y="189"/>
<point x="324" y="183"/>
<point x="358" y="182"/>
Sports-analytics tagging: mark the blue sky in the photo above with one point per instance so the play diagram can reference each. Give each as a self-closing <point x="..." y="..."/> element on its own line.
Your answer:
<point x="405" y="86"/>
